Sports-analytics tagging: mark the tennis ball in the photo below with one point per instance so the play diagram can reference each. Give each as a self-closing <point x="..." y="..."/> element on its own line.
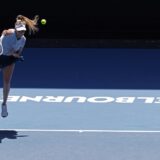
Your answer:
<point x="43" y="21"/>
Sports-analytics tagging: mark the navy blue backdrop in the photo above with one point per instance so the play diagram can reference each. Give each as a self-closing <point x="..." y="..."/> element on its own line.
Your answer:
<point x="88" y="19"/>
<point x="88" y="68"/>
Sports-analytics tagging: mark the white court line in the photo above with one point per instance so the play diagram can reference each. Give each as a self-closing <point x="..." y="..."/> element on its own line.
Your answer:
<point x="81" y="130"/>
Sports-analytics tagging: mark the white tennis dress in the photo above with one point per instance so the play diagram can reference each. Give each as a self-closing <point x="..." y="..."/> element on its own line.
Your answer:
<point x="10" y="44"/>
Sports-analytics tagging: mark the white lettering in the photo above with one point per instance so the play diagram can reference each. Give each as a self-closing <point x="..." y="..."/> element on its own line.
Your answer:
<point x="13" y="98"/>
<point x="80" y="99"/>
<point x="53" y="99"/>
<point x="125" y="99"/>
<point x="100" y="99"/>
<point x="157" y="100"/>
<point x="147" y="99"/>
<point x="36" y="98"/>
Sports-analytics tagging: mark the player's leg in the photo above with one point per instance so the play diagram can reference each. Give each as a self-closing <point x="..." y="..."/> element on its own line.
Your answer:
<point x="7" y="76"/>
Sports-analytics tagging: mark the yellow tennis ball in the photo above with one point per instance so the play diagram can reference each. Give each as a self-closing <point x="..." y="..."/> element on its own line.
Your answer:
<point x="43" y="21"/>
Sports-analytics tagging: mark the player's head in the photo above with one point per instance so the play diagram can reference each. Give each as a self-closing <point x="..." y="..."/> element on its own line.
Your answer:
<point x="26" y="22"/>
<point x="20" y="27"/>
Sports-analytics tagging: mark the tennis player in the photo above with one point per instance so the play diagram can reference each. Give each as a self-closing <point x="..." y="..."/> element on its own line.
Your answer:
<point x="12" y="42"/>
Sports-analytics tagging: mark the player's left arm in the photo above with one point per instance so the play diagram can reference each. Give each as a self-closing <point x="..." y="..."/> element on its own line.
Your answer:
<point x="18" y="53"/>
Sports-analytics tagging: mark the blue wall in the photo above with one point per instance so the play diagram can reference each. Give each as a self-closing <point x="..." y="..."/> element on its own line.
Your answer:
<point x="88" y="68"/>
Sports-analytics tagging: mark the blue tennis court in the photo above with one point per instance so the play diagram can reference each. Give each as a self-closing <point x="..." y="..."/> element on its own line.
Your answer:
<point x="84" y="104"/>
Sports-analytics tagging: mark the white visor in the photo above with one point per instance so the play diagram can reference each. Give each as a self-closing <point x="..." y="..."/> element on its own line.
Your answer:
<point x="20" y="27"/>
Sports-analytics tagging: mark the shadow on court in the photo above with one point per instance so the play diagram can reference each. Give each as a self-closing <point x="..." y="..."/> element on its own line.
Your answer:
<point x="9" y="135"/>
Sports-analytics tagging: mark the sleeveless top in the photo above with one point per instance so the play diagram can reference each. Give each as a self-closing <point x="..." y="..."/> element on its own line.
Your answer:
<point x="10" y="43"/>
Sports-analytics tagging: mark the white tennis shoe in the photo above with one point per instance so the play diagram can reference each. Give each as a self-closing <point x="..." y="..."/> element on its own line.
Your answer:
<point x="4" y="112"/>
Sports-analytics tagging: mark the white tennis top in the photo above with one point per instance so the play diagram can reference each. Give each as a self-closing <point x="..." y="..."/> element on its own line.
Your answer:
<point x="11" y="44"/>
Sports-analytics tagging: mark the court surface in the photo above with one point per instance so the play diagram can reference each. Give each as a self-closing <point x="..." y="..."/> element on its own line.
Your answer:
<point x="100" y="106"/>
<point x="81" y="124"/>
